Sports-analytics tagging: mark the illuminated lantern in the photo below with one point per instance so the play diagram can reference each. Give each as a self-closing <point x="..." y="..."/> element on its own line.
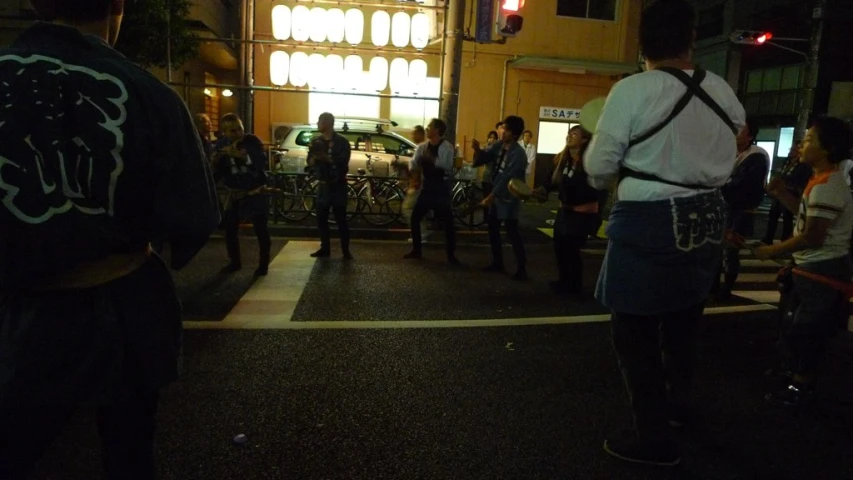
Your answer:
<point x="353" y="65"/>
<point x="354" y="26"/>
<point x="318" y="25"/>
<point x="298" y="69"/>
<point x="335" y="25"/>
<point x="378" y="74"/>
<point x="281" y="22"/>
<point x="380" y="28"/>
<point x="417" y="75"/>
<point x="420" y="30"/>
<point x="398" y="76"/>
<point x="400" y="27"/>
<point x="317" y="71"/>
<point x="334" y="72"/>
<point x="279" y="66"/>
<point x="300" y="28"/>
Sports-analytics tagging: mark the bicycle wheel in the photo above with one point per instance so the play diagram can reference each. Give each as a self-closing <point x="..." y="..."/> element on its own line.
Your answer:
<point x="370" y="205"/>
<point x="392" y="206"/>
<point x="466" y="206"/>
<point x="294" y="201"/>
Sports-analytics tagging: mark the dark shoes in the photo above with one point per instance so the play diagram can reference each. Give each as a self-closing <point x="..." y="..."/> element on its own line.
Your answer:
<point x="795" y="395"/>
<point x="495" y="268"/>
<point x="563" y="288"/>
<point x="454" y="261"/>
<point x="230" y="268"/>
<point x="322" y="253"/>
<point x="348" y="255"/>
<point x="520" y="274"/>
<point x="262" y="270"/>
<point x="660" y="453"/>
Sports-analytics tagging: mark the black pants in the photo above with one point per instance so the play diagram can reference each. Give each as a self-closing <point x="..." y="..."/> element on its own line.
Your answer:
<point x="487" y="190"/>
<point x="655" y="381"/>
<point x="729" y="270"/>
<point x="340" y="212"/>
<point x="777" y="209"/>
<point x="567" y="250"/>
<point x="514" y="237"/>
<point x="126" y="429"/>
<point x="232" y="243"/>
<point x="443" y="213"/>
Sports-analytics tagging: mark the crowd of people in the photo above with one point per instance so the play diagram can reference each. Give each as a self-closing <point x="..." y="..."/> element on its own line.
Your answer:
<point x="673" y="142"/>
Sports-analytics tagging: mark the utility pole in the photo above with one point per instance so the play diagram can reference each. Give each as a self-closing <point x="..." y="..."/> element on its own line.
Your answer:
<point x="454" y="25"/>
<point x="812" y="70"/>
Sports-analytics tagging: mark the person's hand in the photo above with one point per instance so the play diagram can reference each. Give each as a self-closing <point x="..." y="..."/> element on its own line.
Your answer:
<point x="475" y="144"/>
<point x="776" y="187"/>
<point x="764" y="253"/>
<point x="487" y="202"/>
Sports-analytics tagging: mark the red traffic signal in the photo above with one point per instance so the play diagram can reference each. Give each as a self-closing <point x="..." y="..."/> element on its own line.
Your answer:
<point x="750" y="37"/>
<point x="512" y="5"/>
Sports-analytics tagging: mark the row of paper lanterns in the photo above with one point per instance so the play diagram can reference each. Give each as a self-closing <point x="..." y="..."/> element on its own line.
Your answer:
<point x="319" y="25"/>
<point x="333" y="72"/>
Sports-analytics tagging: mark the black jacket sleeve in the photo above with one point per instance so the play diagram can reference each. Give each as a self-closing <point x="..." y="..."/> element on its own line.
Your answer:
<point x="745" y="189"/>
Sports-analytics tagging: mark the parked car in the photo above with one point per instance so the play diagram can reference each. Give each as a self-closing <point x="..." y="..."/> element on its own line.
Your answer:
<point x="369" y="138"/>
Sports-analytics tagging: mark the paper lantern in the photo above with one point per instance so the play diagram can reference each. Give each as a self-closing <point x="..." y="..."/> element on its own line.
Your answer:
<point x="420" y="30"/>
<point x="353" y="66"/>
<point x="335" y="25"/>
<point x="378" y="74"/>
<point x="400" y="27"/>
<point x="300" y="28"/>
<point x="417" y="75"/>
<point x="334" y="72"/>
<point x="279" y="67"/>
<point x="281" y="19"/>
<point x="354" y="28"/>
<point x="318" y="25"/>
<point x="317" y="71"/>
<point x="380" y="28"/>
<point x="298" y="69"/>
<point x="398" y="76"/>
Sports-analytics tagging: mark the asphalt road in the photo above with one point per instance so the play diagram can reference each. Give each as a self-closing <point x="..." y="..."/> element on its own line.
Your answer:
<point x="513" y="402"/>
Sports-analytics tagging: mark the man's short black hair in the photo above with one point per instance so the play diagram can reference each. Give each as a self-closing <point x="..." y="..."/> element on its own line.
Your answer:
<point x="231" y="118"/>
<point x="526" y="132"/>
<point x="73" y="10"/>
<point x="419" y="129"/>
<point x="492" y="133"/>
<point x="752" y="128"/>
<point x="666" y="29"/>
<point x="835" y="137"/>
<point x="499" y="125"/>
<point x="439" y="125"/>
<point x="514" y="124"/>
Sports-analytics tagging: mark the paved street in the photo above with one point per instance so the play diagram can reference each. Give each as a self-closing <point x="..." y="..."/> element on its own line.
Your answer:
<point x="385" y="369"/>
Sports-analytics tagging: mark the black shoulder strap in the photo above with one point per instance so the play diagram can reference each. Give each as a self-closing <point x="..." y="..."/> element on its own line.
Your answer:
<point x="694" y="84"/>
<point x="699" y="75"/>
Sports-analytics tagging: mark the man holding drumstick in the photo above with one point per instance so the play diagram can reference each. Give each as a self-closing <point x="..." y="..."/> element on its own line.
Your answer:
<point x="508" y="161"/>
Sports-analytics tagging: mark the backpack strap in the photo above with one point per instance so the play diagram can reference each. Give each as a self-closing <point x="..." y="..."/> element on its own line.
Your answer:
<point x="694" y="84"/>
<point x="699" y="75"/>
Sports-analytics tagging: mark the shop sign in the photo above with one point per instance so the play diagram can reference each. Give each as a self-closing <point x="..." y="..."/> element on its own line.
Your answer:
<point x="559" y="113"/>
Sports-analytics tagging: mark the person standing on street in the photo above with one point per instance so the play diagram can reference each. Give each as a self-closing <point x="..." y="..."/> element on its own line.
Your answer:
<point x="488" y="174"/>
<point x="743" y="193"/>
<point x="530" y="151"/>
<point x="795" y="175"/>
<point x="413" y="188"/>
<point x="578" y="211"/>
<point x="240" y="162"/>
<point x="329" y="156"/>
<point x="506" y="161"/>
<point x="821" y="250"/>
<point x="205" y="128"/>
<point x="89" y="315"/>
<point x="669" y="135"/>
<point x="435" y="159"/>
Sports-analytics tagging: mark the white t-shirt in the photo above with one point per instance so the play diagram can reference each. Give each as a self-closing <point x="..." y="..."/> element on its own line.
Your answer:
<point x="530" y="151"/>
<point x="697" y="147"/>
<point x="826" y="196"/>
<point x="445" y="160"/>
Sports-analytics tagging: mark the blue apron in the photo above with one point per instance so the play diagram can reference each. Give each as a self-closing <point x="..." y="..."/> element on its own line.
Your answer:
<point x="662" y="255"/>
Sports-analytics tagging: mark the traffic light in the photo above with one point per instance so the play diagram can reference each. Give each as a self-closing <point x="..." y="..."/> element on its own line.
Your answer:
<point x="750" y="37"/>
<point x="509" y="21"/>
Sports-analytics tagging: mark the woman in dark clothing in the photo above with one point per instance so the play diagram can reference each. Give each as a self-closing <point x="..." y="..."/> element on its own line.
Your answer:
<point x="577" y="214"/>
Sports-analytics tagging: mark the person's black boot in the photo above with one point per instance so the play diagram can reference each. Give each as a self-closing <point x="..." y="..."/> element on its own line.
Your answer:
<point x="322" y="253"/>
<point x="230" y="268"/>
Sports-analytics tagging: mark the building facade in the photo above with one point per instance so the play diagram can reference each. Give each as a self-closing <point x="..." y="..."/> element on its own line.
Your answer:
<point x="568" y="52"/>
<point x="768" y="79"/>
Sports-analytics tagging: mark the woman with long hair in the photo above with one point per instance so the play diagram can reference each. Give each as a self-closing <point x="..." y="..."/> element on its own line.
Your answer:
<point x="578" y="211"/>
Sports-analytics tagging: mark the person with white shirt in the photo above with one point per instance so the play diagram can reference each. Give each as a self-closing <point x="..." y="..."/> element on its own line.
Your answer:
<point x="846" y="166"/>
<point x="821" y="248"/>
<point x="669" y="135"/>
<point x="435" y="159"/>
<point x="530" y="151"/>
